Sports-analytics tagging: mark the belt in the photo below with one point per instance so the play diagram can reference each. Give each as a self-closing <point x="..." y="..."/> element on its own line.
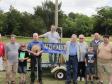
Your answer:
<point x="72" y="55"/>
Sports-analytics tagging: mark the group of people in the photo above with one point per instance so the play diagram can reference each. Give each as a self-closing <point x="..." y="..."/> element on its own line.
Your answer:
<point x="83" y="60"/>
<point x="87" y="61"/>
<point x="14" y="57"/>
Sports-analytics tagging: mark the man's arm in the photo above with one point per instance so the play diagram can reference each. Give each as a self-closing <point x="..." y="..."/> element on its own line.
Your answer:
<point x="43" y="35"/>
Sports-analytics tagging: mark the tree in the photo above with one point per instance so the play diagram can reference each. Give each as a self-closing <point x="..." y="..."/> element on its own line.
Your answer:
<point x="2" y="20"/>
<point x="12" y="22"/>
<point x="83" y="25"/>
<point x="47" y="13"/>
<point x="103" y="20"/>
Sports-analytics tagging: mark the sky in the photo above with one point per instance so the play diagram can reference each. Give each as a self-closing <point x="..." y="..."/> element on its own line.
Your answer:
<point x="87" y="7"/>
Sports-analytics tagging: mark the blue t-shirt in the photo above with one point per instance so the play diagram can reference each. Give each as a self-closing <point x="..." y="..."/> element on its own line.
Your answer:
<point x="35" y="43"/>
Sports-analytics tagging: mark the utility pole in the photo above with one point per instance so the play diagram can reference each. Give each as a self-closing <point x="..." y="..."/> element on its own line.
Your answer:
<point x="56" y="13"/>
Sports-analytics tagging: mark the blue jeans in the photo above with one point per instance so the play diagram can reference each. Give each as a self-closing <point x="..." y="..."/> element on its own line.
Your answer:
<point x="72" y="66"/>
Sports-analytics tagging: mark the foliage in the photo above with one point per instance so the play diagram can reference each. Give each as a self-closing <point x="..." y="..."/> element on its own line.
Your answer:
<point x="24" y="24"/>
<point x="103" y="20"/>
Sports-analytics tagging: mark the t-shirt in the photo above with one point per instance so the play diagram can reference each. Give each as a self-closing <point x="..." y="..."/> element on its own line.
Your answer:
<point x="22" y="55"/>
<point x="2" y="49"/>
<point x="31" y="44"/>
<point x="90" y="57"/>
<point x="12" y="52"/>
<point x="52" y="37"/>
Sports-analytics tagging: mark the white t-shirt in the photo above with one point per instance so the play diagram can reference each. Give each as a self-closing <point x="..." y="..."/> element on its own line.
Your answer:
<point x="52" y="37"/>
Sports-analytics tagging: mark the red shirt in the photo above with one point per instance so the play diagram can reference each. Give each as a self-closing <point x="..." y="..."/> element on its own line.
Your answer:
<point x="2" y="49"/>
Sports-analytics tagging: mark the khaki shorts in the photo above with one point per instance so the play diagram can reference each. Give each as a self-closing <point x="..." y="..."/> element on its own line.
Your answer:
<point x="11" y="70"/>
<point x="104" y="70"/>
<point x="11" y="67"/>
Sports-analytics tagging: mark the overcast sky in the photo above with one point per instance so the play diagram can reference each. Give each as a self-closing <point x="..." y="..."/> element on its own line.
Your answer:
<point x="87" y="7"/>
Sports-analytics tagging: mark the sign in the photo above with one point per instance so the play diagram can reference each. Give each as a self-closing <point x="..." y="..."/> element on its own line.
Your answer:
<point x="58" y="48"/>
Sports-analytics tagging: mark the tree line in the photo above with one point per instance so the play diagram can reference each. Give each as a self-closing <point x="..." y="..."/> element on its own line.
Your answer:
<point x="24" y="23"/>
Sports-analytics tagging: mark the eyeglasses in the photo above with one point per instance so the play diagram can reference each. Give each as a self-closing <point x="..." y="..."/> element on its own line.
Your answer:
<point x="81" y="38"/>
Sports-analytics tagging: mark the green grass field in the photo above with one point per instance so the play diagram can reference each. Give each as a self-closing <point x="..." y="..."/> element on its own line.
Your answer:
<point x="47" y="77"/>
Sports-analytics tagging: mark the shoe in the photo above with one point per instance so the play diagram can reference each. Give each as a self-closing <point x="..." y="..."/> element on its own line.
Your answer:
<point x="100" y="82"/>
<point x="67" y="82"/>
<point x="75" y="82"/>
<point x="86" y="82"/>
<point x="32" y="83"/>
<point x="92" y="82"/>
<point x="78" y="79"/>
<point x="83" y="79"/>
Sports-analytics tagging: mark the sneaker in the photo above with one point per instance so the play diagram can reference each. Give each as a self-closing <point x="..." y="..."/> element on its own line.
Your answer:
<point x="83" y="79"/>
<point x="78" y="79"/>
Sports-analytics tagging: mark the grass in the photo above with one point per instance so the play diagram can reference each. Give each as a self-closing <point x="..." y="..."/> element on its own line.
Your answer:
<point x="47" y="77"/>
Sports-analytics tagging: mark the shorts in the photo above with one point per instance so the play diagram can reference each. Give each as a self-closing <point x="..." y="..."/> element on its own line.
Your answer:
<point x="90" y="69"/>
<point x="104" y="70"/>
<point x="22" y="69"/>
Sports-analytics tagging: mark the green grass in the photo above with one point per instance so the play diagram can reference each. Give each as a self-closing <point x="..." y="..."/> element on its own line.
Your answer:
<point x="47" y="77"/>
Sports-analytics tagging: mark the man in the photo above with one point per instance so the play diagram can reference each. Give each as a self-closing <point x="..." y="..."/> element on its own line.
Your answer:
<point x="95" y="43"/>
<point x="82" y="52"/>
<point x="12" y="60"/>
<point x="34" y="60"/>
<point x="71" y="59"/>
<point x="2" y="53"/>
<point x="53" y="37"/>
<point x="105" y="61"/>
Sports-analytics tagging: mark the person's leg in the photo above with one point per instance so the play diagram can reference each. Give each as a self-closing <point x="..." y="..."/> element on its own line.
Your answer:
<point x="39" y="71"/>
<point x="55" y="58"/>
<point x="87" y="74"/>
<point x="20" y="78"/>
<point x="96" y="67"/>
<point x="32" y="72"/>
<point x="1" y="64"/>
<point x="92" y="80"/>
<point x="24" y="74"/>
<point x="83" y="70"/>
<point x="87" y="79"/>
<point x="8" y="68"/>
<point x="20" y="74"/>
<point x="92" y="69"/>
<point x="14" y="71"/>
<point x="68" y="73"/>
<point x="110" y="79"/>
<point x="51" y="58"/>
<point x="75" y="70"/>
<point x="79" y="69"/>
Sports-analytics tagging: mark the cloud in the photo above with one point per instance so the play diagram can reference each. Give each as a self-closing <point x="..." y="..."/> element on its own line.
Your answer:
<point x="87" y="7"/>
